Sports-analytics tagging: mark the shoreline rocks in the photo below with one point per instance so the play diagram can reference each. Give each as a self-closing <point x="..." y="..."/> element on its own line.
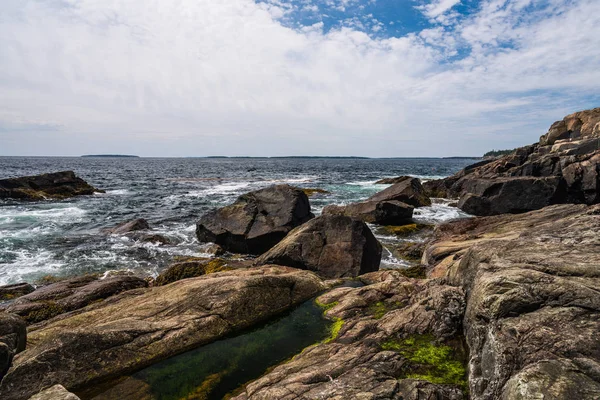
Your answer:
<point x="10" y="292"/>
<point x="57" y="185"/>
<point x="256" y="221"/>
<point x="381" y="213"/>
<point x="13" y="339"/>
<point x="332" y="246"/>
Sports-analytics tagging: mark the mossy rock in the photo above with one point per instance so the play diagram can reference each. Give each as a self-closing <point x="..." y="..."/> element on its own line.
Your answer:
<point x="379" y="309"/>
<point x="430" y="360"/>
<point x="190" y="269"/>
<point x="409" y="251"/>
<point x="47" y="310"/>
<point x="406" y="230"/>
<point x="312" y="191"/>
<point x="48" y="279"/>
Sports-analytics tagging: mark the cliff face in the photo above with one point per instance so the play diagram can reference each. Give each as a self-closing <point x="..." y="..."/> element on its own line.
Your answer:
<point x="563" y="167"/>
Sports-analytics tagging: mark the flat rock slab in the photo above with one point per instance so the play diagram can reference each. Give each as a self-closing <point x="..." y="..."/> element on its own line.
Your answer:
<point x="57" y="185"/>
<point x="354" y="365"/>
<point x="144" y="326"/>
<point x="533" y="306"/>
<point x="56" y="392"/>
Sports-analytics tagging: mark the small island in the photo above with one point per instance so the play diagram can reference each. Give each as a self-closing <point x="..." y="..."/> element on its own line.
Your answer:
<point x="109" y="156"/>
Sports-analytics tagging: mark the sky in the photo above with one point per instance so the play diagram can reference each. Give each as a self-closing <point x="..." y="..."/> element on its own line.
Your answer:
<point x="375" y="78"/>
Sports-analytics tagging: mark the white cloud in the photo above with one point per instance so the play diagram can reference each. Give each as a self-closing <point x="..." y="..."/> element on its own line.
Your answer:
<point x="199" y="77"/>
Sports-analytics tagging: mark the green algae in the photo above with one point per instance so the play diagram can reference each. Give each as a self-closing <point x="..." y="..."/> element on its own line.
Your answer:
<point x="429" y="360"/>
<point x="379" y="309"/>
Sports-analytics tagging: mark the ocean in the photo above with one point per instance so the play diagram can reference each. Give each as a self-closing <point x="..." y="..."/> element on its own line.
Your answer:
<point x="64" y="238"/>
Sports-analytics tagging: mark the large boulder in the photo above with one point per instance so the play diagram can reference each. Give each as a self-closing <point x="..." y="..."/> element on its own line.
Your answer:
<point x="408" y="190"/>
<point x="72" y="294"/>
<point x="510" y="195"/>
<point x="57" y="185"/>
<point x="582" y="124"/>
<point x="256" y="221"/>
<point x="333" y="246"/>
<point x="372" y="352"/>
<point x="13" y="338"/>
<point x="533" y="300"/>
<point x="374" y="212"/>
<point x="140" y="327"/>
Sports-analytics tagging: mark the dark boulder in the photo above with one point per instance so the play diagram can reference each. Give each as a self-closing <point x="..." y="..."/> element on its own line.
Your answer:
<point x="510" y="195"/>
<point x="10" y="292"/>
<point x="57" y="185"/>
<point x="391" y="181"/>
<point x="333" y="246"/>
<point x="256" y="221"/>
<point x="409" y="190"/>
<point x="382" y="213"/>
<point x="138" y="224"/>
<point x="13" y="338"/>
<point x="71" y="294"/>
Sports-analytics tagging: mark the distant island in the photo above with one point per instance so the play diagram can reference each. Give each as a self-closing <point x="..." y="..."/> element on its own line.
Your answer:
<point x="497" y="153"/>
<point x="110" y="156"/>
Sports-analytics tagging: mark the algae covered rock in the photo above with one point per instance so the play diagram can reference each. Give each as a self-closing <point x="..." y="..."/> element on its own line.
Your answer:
<point x="256" y="221"/>
<point x="9" y="292"/>
<point x="139" y="327"/>
<point x="190" y="269"/>
<point x="332" y="246"/>
<point x="57" y="185"/>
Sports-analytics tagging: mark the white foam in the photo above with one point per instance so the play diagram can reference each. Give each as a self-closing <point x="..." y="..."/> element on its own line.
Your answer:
<point x="438" y="212"/>
<point x="27" y="263"/>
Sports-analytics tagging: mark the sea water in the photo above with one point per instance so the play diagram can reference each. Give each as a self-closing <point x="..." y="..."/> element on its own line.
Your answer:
<point x="64" y="238"/>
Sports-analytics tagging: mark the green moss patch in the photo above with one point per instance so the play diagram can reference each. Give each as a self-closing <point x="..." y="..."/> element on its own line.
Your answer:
<point x="405" y="230"/>
<point x="381" y="308"/>
<point x="190" y="269"/>
<point x="312" y="192"/>
<point x="429" y="360"/>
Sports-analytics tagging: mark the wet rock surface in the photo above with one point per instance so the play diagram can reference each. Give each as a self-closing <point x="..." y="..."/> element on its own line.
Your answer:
<point x="332" y="246"/>
<point x="382" y="213"/>
<point x="256" y="221"/>
<point x="138" y="224"/>
<point x="9" y="292"/>
<point x="71" y="294"/>
<point x="365" y="357"/>
<point x="563" y="167"/>
<point x="408" y="190"/>
<point x="142" y="326"/>
<point x="57" y="185"/>
<point x="533" y="300"/>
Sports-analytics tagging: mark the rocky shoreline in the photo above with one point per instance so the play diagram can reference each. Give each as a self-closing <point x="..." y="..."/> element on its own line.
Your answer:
<point x="500" y="306"/>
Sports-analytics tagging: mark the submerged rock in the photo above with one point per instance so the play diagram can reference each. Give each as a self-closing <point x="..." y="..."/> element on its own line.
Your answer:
<point x="256" y="221"/>
<point x="143" y="326"/>
<point x="138" y="224"/>
<point x="9" y="292"/>
<point x="13" y="339"/>
<point x="533" y="305"/>
<point x="56" y="392"/>
<point x="71" y="294"/>
<point x="332" y="246"/>
<point x="373" y="351"/>
<point x="382" y="213"/>
<point x="57" y="185"/>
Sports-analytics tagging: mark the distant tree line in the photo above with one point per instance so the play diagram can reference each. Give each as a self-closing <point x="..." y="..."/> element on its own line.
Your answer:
<point x="496" y="153"/>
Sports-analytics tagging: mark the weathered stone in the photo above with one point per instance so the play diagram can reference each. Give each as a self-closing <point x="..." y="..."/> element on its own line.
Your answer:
<point x="56" y="392"/>
<point x="10" y="292"/>
<point x="256" y="221"/>
<point x="392" y="181"/>
<point x="190" y="269"/>
<point x="382" y="213"/>
<point x="332" y="246"/>
<point x="360" y="360"/>
<point x="13" y="339"/>
<point x="533" y="300"/>
<point x="574" y="126"/>
<point x="71" y="294"/>
<point x="143" y="326"/>
<point x="57" y="185"/>
<point x="409" y="190"/>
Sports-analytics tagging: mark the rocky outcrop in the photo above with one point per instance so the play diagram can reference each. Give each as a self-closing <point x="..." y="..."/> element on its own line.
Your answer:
<point x="564" y="167"/>
<point x="140" y="327"/>
<point x="9" y="292"/>
<point x="56" y="392"/>
<point x="72" y="294"/>
<point x="57" y="185"/>
<point x="382" y="213"/>
<point x="13" y="338"/>
<point x="198" y="267"/>
<point x="408" y="190"/>
<point x="138" y="224"/>
<point x="372" y="353"/>
<point x="533" y="300"/>
<point x="256" y="221"/>
<point x="330" y="245"/>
